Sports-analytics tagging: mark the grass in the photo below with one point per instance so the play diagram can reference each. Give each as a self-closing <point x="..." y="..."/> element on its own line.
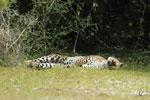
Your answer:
<point x="59" y="83"/>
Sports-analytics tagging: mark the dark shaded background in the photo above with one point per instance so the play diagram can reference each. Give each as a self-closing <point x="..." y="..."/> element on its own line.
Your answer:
<point x="116" y="24"/>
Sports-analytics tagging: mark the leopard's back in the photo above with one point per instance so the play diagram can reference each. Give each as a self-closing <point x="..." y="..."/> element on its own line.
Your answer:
<point x="60" y="60"/>
<point x="91" y="61"/>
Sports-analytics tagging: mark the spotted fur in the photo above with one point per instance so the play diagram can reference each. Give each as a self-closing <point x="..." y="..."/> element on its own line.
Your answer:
<point x="82" y="61"/>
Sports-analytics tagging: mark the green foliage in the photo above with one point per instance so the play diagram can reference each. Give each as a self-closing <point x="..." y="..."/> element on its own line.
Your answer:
<point x="87" y="27"/>
<point x="57" y="25"/>
<point x="74" y="26"/>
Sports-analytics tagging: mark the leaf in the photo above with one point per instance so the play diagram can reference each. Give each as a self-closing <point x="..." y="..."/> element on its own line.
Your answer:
<point x="130" y="24"/>
<point x="4" y="3"/>
<point x="141" y="20"/>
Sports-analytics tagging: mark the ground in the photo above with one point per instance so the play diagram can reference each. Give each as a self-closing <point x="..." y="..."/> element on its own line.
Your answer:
<point x="22" y="83"/>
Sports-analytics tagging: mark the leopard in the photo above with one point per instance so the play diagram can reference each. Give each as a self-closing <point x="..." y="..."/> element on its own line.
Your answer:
<point x="91" y="61"/>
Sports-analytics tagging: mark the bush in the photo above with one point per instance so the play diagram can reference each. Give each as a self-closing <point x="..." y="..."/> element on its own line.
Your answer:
<point x="13" y="30"/>
<point x="41" y="27"/>
<point x="59" y="26"/>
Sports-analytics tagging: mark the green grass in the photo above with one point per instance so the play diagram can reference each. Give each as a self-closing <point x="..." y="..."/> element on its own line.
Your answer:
<point x="22" y="83"/>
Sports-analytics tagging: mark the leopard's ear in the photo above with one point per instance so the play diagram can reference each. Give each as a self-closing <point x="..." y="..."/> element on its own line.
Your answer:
<point x="110" y="61"/>
<point x="121" y="64"/>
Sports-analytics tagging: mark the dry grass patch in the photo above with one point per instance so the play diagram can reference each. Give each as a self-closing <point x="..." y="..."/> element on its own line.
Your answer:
<point x="21" y="83"/>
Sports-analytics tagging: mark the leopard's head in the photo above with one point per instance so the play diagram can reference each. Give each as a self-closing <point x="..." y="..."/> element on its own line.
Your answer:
<point x="113" y="63"/>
